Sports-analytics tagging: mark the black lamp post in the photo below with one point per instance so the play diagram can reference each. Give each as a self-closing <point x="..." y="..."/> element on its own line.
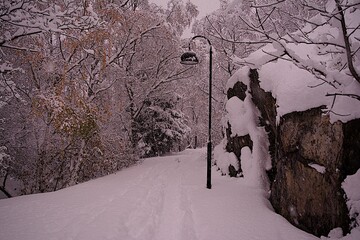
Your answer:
<point x="190" y="58"/>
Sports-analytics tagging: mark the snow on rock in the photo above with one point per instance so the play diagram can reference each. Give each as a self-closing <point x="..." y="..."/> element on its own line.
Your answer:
<point x="243" y="118"/>
<point x="246" y="162"/>
<point x="336" y="233"/>
<point x="240" y="75"/>
<point x="317" y="167"/>
<point x="290" y="86"/>
<point x="224" y="159"/>
<point x="296" y="89"/>
<point x="238" y="116"/>
<point x="295" y="81"/>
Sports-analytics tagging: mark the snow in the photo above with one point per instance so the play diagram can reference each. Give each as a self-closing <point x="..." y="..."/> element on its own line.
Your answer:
<point x="321" y="169"/>
<point x="162" y="198"/>
<point x="238" y="116"/>
<point x="352" y="190"/>
<point x="291" y="87"/>
<point x="224" y="159"/>
<point x="240" y="75"/>
<point x="296" y="89"/>
<point x="243" y="118"/>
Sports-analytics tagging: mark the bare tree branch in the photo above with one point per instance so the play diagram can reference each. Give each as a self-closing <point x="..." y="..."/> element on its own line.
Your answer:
<point x="357" y="97"/>
<point x="347" y="43"/>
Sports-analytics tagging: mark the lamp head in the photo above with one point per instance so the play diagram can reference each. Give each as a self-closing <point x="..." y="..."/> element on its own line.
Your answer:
<point x="189" y="58"/>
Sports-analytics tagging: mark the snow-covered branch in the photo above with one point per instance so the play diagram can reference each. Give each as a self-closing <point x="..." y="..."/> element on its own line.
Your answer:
<point x="267" y="5"/>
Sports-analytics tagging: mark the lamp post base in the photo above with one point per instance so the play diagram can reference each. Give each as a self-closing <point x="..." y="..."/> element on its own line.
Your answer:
<point x="208" y="172"/>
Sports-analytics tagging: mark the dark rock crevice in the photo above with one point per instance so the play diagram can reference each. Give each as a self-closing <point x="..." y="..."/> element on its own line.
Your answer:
<point x="351" y="147"/>
<point x="238" y="90"/>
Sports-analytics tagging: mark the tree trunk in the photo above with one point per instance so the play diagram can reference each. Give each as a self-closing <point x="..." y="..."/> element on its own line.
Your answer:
<point x="3" y="189"/>
<point x="75" y="165"/>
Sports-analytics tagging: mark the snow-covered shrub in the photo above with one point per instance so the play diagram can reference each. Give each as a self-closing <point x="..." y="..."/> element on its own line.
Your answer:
<point x="159" y="127"/>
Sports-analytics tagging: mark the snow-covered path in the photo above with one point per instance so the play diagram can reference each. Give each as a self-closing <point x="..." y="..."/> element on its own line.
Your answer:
<point x="162" y="198"/>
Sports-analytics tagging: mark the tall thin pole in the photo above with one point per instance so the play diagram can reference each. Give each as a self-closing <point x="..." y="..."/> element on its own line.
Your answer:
<point x="209" y="145"/>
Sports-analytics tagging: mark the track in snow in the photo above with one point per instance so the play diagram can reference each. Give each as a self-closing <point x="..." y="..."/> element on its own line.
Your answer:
<point x="162" y="198"/>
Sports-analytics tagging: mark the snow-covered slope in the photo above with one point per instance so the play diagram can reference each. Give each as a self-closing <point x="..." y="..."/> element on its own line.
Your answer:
<point x="162" y="198"/>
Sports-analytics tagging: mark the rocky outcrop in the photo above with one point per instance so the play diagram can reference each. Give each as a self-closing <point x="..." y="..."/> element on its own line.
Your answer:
<point x="306" y="188"/>
<point x="310" y="159"/>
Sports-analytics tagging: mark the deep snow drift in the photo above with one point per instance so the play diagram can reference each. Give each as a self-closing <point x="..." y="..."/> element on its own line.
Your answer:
<point x="162" y="198"/>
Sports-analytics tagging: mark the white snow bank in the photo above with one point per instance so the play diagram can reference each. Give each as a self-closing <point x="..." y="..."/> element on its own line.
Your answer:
<point x="163" y="198"/>
<point x="351" y="187"/>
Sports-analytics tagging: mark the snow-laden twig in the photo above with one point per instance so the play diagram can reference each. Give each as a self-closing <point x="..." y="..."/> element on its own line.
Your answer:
<point x="267" y="5"/>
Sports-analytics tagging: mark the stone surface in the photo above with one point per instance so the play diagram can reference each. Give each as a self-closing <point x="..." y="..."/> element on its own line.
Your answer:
<point x="309" y="199"/>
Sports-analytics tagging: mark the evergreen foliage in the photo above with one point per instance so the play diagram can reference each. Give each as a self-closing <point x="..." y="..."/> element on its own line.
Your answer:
<point x="160" y="127"/>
